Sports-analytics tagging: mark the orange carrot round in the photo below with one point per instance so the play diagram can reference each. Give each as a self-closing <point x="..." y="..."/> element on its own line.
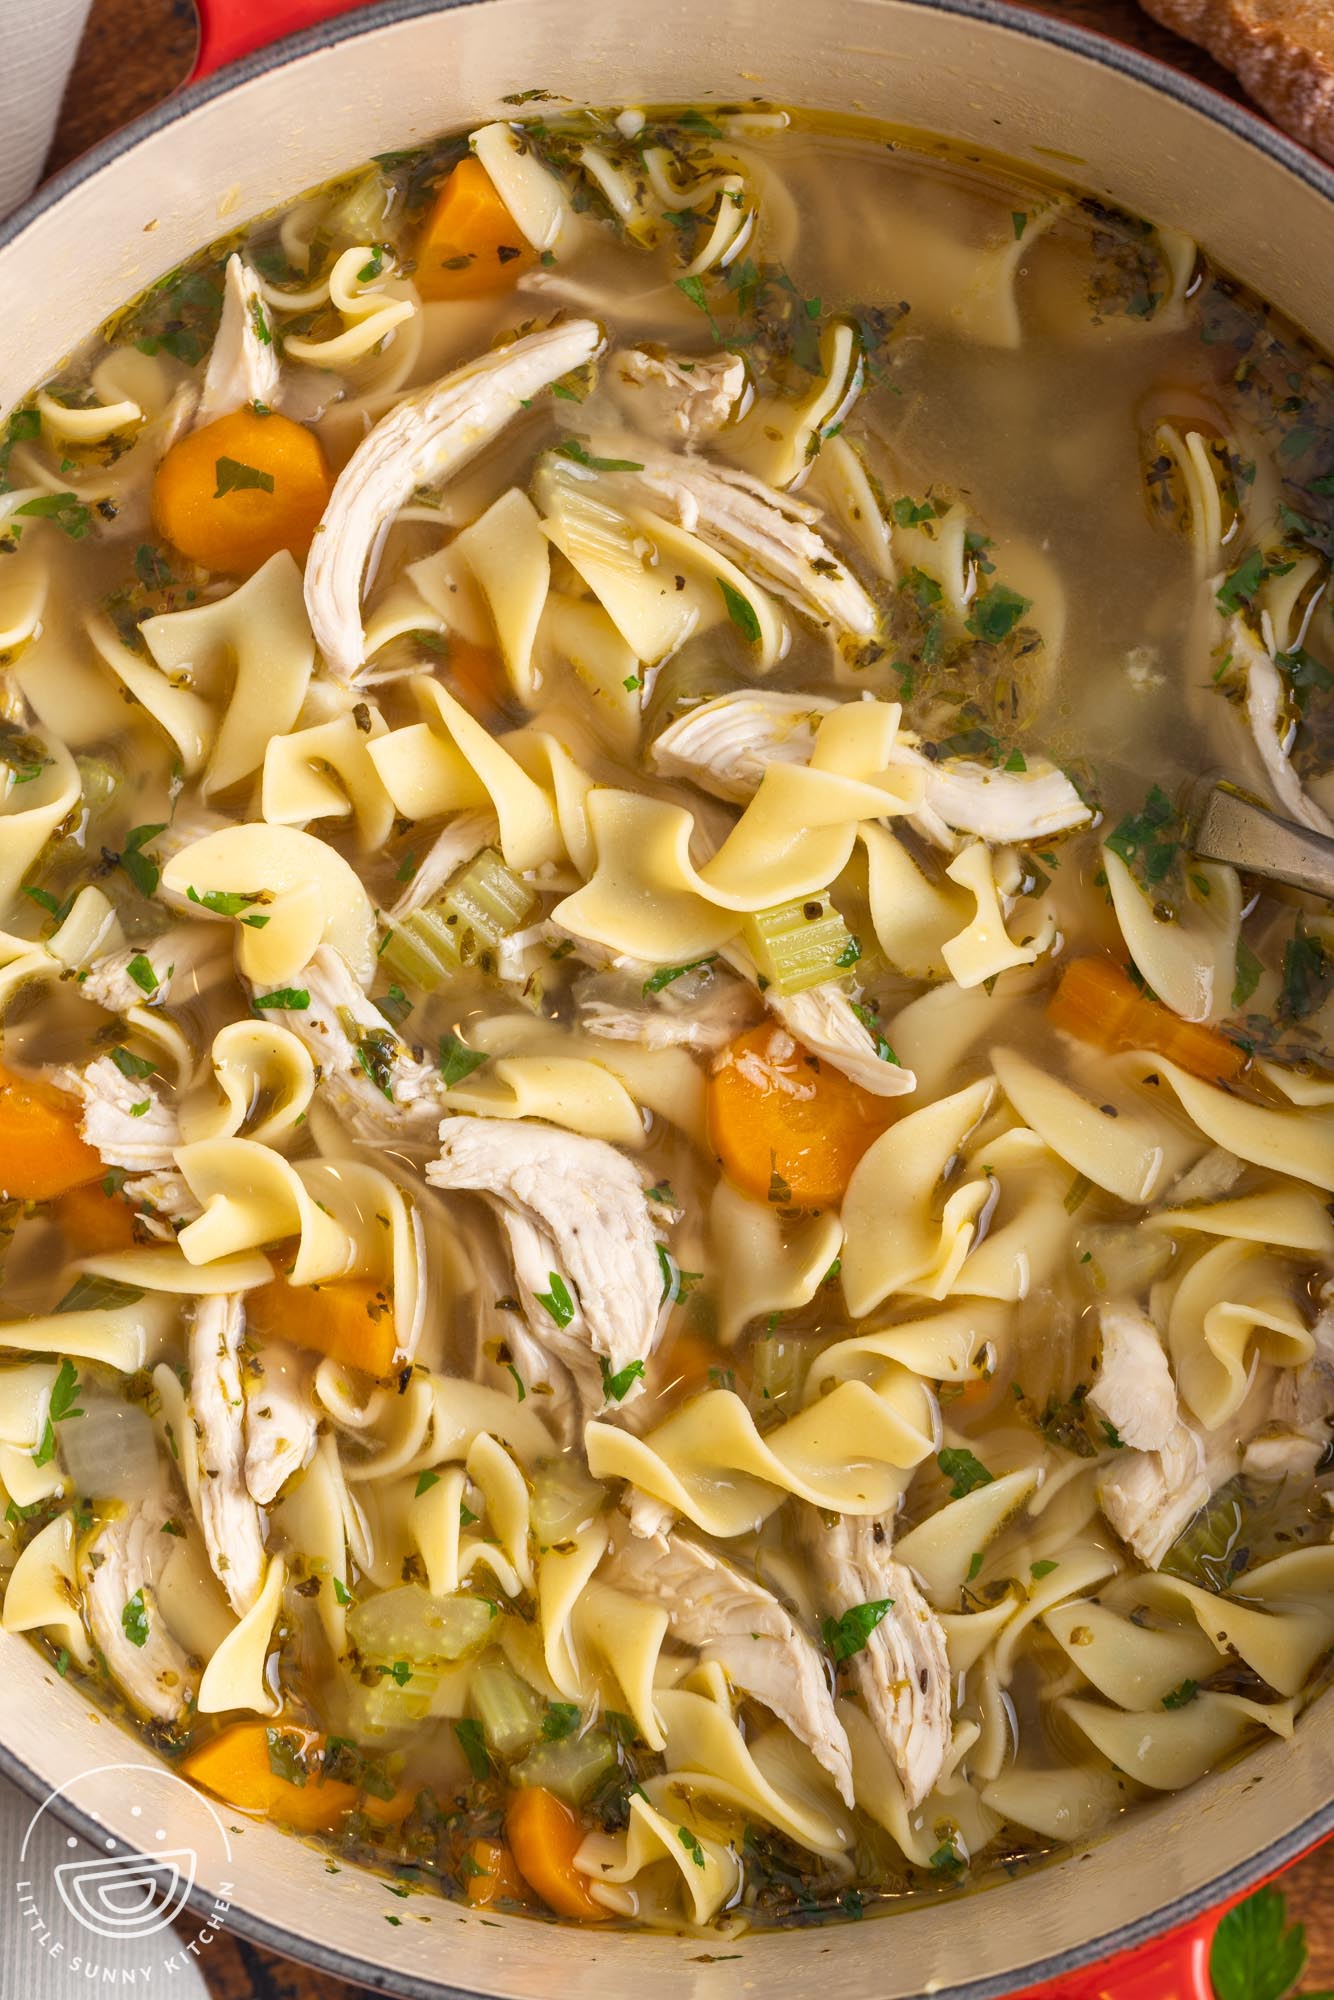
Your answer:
<point x="92" y="1221"/>
<point x="544" y="1837"/>
<point x="787" y="1127"/>
<point x="238" y="1767"/>
<point x="231" y="495"/>
<point x="41" y="1151"/>
<point x="471" y="245"/>
<point x="490" y="1875"/>
<point x="349" y="1319"/>
<point x="1096" y="1002"/>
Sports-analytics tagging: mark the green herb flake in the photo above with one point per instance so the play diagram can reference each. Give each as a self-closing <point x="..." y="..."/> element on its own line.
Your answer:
<point x="848" y="1634"/>
<point x="557" y="1301"/>
<point x="473" y="1744"/>
<point x="89" y="1293"/>
<point x="741" y="612"/>
<point x="140" y="970"/>
<point x="65" y="510"/>
<point x="964" y="1472"/>
<point x="996" y="613"/>
<point x="1183" y="1696"/>
<point x="286" y="999"/>
<point x="425" y="1481"/>
<point x="562" y="1718"/>
<point x="690" y="1842"/>
<point x="1247" y="974"/>
<point x="667" y="974"/>
<point x="618" y="1386"/>
<point x="341" y="1592"/>
<point x="134" y="1620"/>
<point x="571" y="448"/>
<point x="457" y="1060"/>
<point x="142" y="869"/>
<point x="234" y="477"/>
<point x="1038" y="1570"/>
<point x="136" y="1068"/>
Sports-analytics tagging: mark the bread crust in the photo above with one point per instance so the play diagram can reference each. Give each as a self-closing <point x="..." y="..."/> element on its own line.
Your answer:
<point x="1282" y="51"/>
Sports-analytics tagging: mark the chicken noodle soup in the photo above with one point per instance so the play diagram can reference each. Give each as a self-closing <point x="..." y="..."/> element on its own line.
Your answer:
<point x="665" y="1248"/>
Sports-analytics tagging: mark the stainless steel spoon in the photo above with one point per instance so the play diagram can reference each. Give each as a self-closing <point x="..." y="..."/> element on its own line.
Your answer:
<point x="1224" y="824"/>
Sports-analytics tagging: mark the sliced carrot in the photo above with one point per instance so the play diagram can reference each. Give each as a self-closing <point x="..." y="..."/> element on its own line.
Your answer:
<point x="787" y="1127"/>
<point x="471" y="245"/>
<point x="238" y="1767"/>
<point x="349" y="1319"/>
<point x="479" y="678"/>
<point x="232" y="494"/>
<point x="41" y="1151"/>
<point x="687" y="1364"/>
<point x="490" y="1875"/>
<point x="1096" y="1002"/>
<point x="544" y="1837"/>
<point x="93" y="1221"/>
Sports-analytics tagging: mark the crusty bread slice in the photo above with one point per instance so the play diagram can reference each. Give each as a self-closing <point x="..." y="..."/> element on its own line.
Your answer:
<point x="1281" y="50"/>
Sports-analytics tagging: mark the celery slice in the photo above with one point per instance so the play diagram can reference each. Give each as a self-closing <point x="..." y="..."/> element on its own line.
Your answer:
<point x="572" y="1768"/>
<point x="802" y="944"/>
<point x="507" y="1708"/>
<point x="482" y="904"/>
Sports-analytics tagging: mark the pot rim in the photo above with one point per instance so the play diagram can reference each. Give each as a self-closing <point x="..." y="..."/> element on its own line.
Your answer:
<point x="1191" y="94"/>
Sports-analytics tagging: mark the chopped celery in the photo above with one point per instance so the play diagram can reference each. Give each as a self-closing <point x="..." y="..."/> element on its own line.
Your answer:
<point x="1213" y="1549"/>
<point x="572" y="1768"/>
<point x="358" y="214"/>
<point x="408" y="1623"/>
<point x="483" y="903"/>
<point x="802" y="944"/>
<point x="565" y="1499"/>
<point x="778" y="1371"/>
<point x="507" y="1708"/>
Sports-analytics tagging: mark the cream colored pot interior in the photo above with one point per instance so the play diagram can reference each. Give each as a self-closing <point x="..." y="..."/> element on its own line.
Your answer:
<point x="258" y="145"/>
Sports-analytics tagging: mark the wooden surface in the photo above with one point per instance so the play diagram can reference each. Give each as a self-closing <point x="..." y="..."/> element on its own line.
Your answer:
<point x="134" y="53"/>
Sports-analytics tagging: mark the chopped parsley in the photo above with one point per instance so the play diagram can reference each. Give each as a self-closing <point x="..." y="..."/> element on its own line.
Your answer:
<point x="618" y="1386"/>
<point x="136" y="1068"/>
<point x="425" y="1481"/>
<point x="964" y="1472"/>
<point x="140" y="970"/>
<point x="288" y="999"/>
<point x="457" y="1060"/>
<point x="1150" y="840"/>
<point x="571" y="448"/>
<point x="848" y="1634"/>
<point x="66" y="510"/>
<point x="561" y="1720"/>
<point x="557" y="1301"/>
<point x="666" y="975"/>
<point x="234" y="477"/>
<point x="1181" y="1697"/>
<point x="995" y="614"/>
<point x="134" y="1620"/>
<point x="690" y="1842"/>
<point x="142" y="869"/>
<point x="473" y="1744"/>
<point x="741" y="612"/>
<point x="60" y="1407"/>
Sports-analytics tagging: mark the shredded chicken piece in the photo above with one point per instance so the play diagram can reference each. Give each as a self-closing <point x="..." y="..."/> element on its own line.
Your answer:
<point x="377" y="1084"/>
<point x="725" y="744"/>
<point x="1149" y="1496"/>
<point x="157" y="1676"/>
<point x="502" y="1338"/>
<point x="684" y="397"/>
<point x="228" y="1515"/>
<point x="244" y="366"/>
<point x="826" y="1023"/>
<point x="1134" y="1390"/>
<point x="1267" y="714"/>
<point x="902" y="1671"/>
<point x="770" y="535"/>
<point x="731" y="1619"/>
<point x="181" y="961"/>
<point x="618" y="1009"/>
<point x="163" y="1203"/>
<point x="124" y="1117"/>
<point x="423" y="441"/>
<point x="281" y="1421"/>
<point x="1300" y="1430"/>
<point x="1210" y="1178"/>
<point x="580" y="1235"/>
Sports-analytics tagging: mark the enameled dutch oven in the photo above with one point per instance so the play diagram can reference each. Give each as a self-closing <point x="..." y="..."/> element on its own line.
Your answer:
<point x="1128" y="1916"/>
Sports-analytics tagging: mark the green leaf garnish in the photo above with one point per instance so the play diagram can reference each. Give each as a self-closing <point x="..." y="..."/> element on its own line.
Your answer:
<point x="848" y="1634"/>
<point x="965" y="1472"/>
<point x="234" y="477"/>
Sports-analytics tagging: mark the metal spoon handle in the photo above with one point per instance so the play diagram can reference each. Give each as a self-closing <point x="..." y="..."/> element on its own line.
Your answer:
<point x="1228" y="826"/>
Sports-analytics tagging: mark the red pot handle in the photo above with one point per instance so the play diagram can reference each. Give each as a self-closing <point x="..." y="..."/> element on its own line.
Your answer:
<point x="1171" y="1968"/>
<point x="232" y="28"/>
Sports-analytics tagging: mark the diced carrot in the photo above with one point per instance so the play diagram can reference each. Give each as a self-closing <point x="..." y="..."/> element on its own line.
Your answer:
<point x="349" y="1319"/>
<point x="93" y="1221"/>
<point x="787" y="1127"/>
<point x="470" y="246"/>
<point x="479" y="678"/>
<point x="544" y="1837"/>
<point x="41" y="1151"/>
<point x="232" y="494"/>
<point x="490" y="1875"/>
<point x="685" y="1364"/>
<point x="239" y="1768"/>
<point x="1096" y="1002"/>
